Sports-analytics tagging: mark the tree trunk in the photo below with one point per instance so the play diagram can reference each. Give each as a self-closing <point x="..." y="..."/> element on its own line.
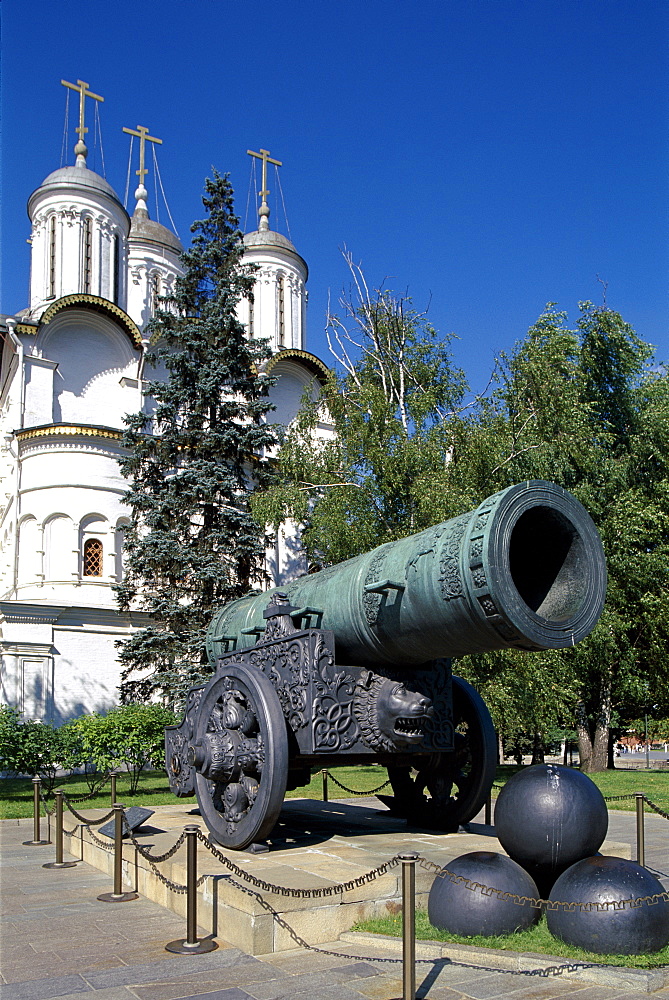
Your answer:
<point x="538" y="749"/>
<point x="610" y="754"/>
<point x="593" y="742"/>
<point x="583" y="737"/>
<point x="601" y="740"/>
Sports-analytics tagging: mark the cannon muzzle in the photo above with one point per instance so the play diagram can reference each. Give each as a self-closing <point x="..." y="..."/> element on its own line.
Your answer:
<point x="525" y="569"/>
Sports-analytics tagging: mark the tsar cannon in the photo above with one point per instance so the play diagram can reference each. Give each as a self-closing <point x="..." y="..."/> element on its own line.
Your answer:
<point x="353" y="664"/>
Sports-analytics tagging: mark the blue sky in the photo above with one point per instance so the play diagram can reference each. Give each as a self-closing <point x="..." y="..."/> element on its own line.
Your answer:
<point x="487" y="156"/>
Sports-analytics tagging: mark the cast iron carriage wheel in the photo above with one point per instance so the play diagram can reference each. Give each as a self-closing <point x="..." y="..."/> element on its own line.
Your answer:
<point x="458" y="781"/>
<point x="242" y="743"/>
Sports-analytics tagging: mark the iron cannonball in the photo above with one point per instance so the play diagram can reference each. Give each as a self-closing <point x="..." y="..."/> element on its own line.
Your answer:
<point x="548" y="817"/>
<point x="455" y="908"/>
<point x="627" y="931"/>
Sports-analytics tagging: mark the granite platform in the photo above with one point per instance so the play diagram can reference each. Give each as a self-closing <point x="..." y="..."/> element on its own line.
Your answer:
<point x="315" y="844"/>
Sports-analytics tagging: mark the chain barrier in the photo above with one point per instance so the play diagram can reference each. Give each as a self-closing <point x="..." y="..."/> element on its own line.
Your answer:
<point x="175" y="887"/>
<point x="89" y="795"/>
<point x="49" y="812"/>
<point x="296" y="937"/>
<point x="86" y="820"/>
<point x="352" y="791"/>
<point x="144" y="852"/>
<point x="551" y="970"/>
<point x="282" y="890"/>
<point x="106" y="845"/>
<point x="656" y="808"/>
<point x="94" y="791"/>
<point x="331" y="890"/>
<point x="652" y="805"/>
<point x="546" y="904"/>
<point x="324" y="891"/>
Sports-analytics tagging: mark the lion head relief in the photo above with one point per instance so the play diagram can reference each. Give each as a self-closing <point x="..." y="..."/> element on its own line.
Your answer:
<point x="391" y="716"/>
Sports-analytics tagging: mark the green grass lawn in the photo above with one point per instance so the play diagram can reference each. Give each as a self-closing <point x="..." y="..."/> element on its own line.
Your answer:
<point x="654" y="784"/>
<point x="536" y="939"/>
<point x="16" y="794"/>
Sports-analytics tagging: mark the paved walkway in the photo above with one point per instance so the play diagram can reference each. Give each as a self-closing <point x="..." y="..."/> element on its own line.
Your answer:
<point x="58" y="940"/>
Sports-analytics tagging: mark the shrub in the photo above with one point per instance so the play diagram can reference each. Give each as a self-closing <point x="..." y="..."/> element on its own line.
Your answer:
<point x="132" y="736"/>
<point x="30" y="747"/>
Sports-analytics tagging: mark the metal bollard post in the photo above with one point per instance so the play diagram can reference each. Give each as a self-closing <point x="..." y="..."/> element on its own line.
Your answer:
<point x="487" y="816"/>
<point x="640" y="838"/>
<point x="112" y="776"/>
<point x="408" y="924"/>
<point x="118" y="895"/>
<point x="324" y="775"/>
<point x="37" y="834"/>
<point x="190" y="945"/>
<point x="59" y="863"/>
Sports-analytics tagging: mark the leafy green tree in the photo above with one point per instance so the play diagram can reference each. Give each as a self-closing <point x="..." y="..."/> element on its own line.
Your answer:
<point x="578" y="407"/>
<point x="388" y="405"/>
<point x="194" y="456"/>
<point x="583" y="409"/>
<point x="131" y="736"/>
<point x="626" y="494"/>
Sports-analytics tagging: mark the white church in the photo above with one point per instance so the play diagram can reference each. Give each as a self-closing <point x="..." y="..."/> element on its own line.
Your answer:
<point x="71" y="368"/>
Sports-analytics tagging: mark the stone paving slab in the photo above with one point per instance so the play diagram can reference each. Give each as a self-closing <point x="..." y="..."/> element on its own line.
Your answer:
<point x="116" y="952"/>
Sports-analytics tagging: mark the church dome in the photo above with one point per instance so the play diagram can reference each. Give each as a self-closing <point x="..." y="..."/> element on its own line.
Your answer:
<point x="74" y="179"/>
<point x="145" y="229"/>
<point x="268" y="239"/>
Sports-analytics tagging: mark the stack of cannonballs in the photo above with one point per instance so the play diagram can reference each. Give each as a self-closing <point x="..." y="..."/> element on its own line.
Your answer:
<point x="551" y="821"/>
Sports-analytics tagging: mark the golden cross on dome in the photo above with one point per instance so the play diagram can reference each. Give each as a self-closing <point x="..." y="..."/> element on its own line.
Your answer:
<point x="84" y="92"/>
<point x="142" y="134"/>
<point x="266" y="158"/>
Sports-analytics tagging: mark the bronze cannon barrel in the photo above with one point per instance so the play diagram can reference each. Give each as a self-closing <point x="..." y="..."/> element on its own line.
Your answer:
<point x="525" y="569"/>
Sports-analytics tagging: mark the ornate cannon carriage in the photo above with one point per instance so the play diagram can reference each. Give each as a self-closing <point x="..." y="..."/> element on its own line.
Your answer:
<point x="353" y="664"/>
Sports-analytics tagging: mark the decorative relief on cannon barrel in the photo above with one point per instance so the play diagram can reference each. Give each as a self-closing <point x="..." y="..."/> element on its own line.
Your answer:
<point x="479" y="577"/>
<point x="371" y="602"/>
<point x="450" y="578"/>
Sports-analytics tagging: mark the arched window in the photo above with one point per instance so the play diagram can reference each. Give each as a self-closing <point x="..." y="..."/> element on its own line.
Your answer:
<point x="281" y="311"/>
<point x="156" y="291"/>
<point x="116" y="269"/>
<point x="92" y="557"/>
<point x="52" y="256"/>
<point x="87" y="255"/>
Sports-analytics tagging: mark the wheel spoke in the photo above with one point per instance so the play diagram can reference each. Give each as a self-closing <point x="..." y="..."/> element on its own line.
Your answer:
<point x="242" y="756"/>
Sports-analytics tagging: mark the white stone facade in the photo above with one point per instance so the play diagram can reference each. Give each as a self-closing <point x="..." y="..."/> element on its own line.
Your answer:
<point x="71" y="368"/>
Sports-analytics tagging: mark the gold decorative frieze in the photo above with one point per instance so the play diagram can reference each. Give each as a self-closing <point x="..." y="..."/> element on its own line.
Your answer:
<point x="100" y="305"/>
<point x="68" y="430"/>
<point x="318" y="367"/>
